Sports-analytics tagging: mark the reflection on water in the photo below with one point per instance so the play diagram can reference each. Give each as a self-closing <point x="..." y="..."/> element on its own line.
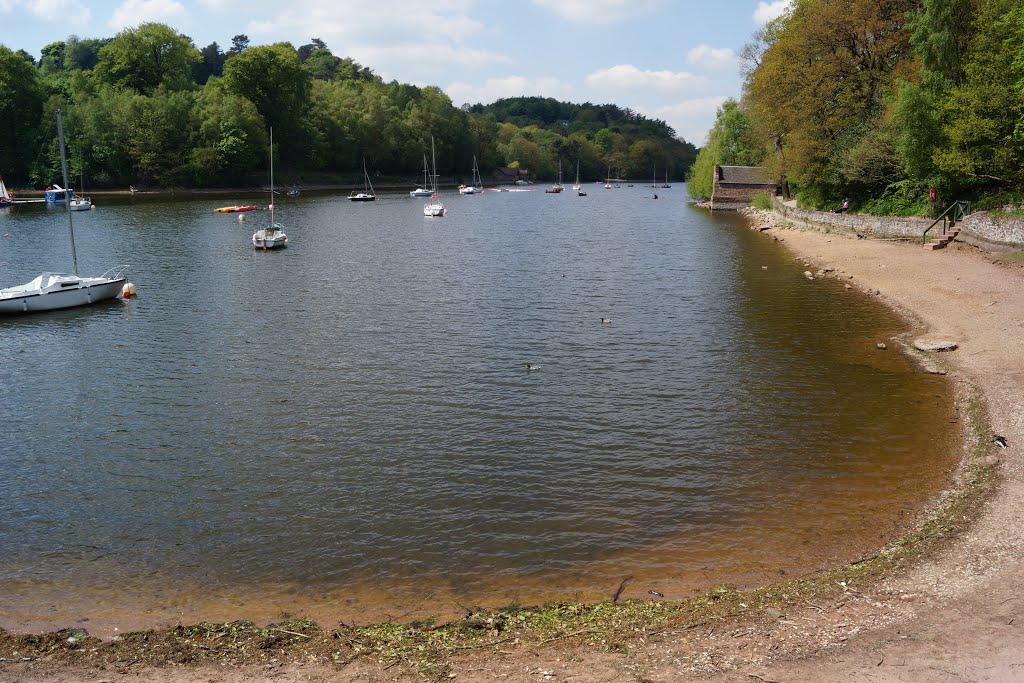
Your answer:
<point x="346" y="429"/>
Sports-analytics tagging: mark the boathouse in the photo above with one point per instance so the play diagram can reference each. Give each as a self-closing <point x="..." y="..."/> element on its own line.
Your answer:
<point x="735" y="186"/>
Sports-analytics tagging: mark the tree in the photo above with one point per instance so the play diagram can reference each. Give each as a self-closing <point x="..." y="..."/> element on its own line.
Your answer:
<point x="21" y="105"/>
<point x="828" y="71"/>
<point x="146" y="57"/>
<point x="52" y="57"/>
<point x="82" y="54"/>
<point x="238" y="44"/>
<point x="941" y="34"/>
<point x="271" y="77"/>
<point x="212" y="64"/>
<point x="730" y="143"/>
<point x="983" y="115"/>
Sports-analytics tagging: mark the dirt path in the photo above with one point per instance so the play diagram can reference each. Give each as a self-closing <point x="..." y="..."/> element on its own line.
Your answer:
<point x="955" y="617"/>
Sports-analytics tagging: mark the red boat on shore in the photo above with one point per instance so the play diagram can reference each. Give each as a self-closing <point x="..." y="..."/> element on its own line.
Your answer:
<point x="234" y="209"/>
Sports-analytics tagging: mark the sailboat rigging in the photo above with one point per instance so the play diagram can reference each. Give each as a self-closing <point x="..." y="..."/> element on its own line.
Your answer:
<point x="367" y="195"/>
<point x="423" y="190"/>
<point x="52" y="291"/>
<point x="435" y="207"/>
<point x="476" y="185"/>
<point x="272" y="236"/>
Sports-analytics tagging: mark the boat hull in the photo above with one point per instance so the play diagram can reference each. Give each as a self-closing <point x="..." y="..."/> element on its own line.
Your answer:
<point x="362" y="197"/>
<point x="266" y="239"/>
<point x="51" y="292"/>
<point x="420" y="193"/>
<point x="235" y="209"/>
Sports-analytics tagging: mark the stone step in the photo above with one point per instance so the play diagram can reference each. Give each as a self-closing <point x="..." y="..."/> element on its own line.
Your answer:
<point x="936" y="245"/>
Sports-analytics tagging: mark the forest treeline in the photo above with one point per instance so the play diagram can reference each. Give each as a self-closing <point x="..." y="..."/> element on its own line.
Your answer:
<point x="147" y="107"/>
<point x="878" y="101"/>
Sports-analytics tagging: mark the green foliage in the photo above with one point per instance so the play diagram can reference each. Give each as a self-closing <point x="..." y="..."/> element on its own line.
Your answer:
<point x="147" y="107"/>
<point x="271" y="77"/>
<point x="761" y="201"/>
<point x="940" y="33"/>
<point x="21" y="104"/>
<point x="730" y="143"/>
<point x="879" y="98"/>
<point x="147" y="57"/>
<point x="983" y="114"/>
<point x="903" y="198"/>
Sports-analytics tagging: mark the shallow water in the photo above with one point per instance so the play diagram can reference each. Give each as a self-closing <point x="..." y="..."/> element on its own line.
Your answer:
<point x="346" y="429"/>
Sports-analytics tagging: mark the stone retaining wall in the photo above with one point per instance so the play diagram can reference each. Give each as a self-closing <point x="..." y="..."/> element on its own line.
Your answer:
<point x="981" y="228"/>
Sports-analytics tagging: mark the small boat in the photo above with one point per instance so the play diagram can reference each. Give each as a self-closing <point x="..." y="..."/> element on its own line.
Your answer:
<point x="80" y="204"/>
<point x="557" y="187"/>
<point x="293" y="192"/>
<point x="237" y="209"/>
<point x="5" y="196"/>
<point x="52" y="291"/>
<point x="367" y="194"/>
<point x="57" y="194"/>
<point x="435" y="207"/>
<point x="666" y="186"/>
<point x="477" y="183"/>
<point x="424" y="190"/>
<point x="576" y="185"/>
<point x="273" y="236"/>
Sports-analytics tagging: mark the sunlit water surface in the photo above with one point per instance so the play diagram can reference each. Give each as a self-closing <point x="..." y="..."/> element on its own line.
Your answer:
<point x="346" y="429"/>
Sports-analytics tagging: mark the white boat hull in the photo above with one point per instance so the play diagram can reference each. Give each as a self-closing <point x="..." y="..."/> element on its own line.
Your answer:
<point x="420" y="193"/>
<point x="78" y="204"/>
<point x="269" y="239"/>
<point x="434" y="210"/>
<point x="53" y="291"/>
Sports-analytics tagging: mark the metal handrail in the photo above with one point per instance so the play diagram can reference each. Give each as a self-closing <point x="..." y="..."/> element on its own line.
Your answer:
<point x="955" y="212"/>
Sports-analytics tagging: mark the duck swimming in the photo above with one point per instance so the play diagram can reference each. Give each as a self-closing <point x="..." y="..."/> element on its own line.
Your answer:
<point x="531" y="368"/>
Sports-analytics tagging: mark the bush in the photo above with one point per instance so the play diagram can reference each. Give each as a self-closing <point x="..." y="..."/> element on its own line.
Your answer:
<point x="905" y="198"/>
<point x="761" y="200"/>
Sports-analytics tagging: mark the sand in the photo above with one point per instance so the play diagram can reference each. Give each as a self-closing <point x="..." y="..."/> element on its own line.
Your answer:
<point x="954" y="616"/>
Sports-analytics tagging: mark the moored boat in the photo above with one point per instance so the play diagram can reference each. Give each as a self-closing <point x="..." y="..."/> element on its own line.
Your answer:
<point x="235" y="209"/>
<point x="52" y="291"/>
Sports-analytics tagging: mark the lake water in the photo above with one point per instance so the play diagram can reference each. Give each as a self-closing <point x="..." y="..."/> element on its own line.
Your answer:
<point x="346" y="429"/>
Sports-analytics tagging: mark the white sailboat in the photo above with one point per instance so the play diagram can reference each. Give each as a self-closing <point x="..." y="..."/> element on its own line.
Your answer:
<point x="78" y="202"/>
<point x="367" y="195"/>
<point x="557" y="187"/>
<point x="52" y="291"/>
<point x="576" y="185"/>
<point x="5" y="196"/>
<point x="273" y="236"/>
<point x="423" y="190"/>
<point x="477" y="183"/>
<point x="434" y="207"/>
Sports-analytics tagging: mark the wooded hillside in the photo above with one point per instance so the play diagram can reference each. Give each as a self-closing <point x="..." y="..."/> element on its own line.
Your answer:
<point x="148" y="107"/>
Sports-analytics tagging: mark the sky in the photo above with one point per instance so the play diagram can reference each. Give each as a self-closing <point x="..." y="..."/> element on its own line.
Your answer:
<point x="673" y="60"/>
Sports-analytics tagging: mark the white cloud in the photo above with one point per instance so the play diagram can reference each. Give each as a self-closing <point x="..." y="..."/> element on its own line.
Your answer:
<point x="135" y="12"/>
<point x="402" y="39"/>
<point x="691" y="119"/>
<point x="598" y="11"/>
<point x="712" y="57"/>
<point x="48" y="9"/>
<point x="766" y="11"/>
<point x="629" y="77"/>
<point x="345" y="22"/>
<point x="511" y="86"/>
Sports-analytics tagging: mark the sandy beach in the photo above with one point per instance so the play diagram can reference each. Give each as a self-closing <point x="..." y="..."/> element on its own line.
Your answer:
<point x="952" y="616"/>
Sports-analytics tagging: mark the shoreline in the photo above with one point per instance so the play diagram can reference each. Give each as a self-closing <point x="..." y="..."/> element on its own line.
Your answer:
<point x="894" y="623"/>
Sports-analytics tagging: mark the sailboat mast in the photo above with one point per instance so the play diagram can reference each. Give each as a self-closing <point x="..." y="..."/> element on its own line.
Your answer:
<point x="271" y="176"/>
<point x="67" y="199"/>
<point x="433" y="161"/>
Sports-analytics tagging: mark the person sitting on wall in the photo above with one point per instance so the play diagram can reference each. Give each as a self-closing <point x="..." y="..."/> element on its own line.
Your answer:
<point x="842" y="207"/>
